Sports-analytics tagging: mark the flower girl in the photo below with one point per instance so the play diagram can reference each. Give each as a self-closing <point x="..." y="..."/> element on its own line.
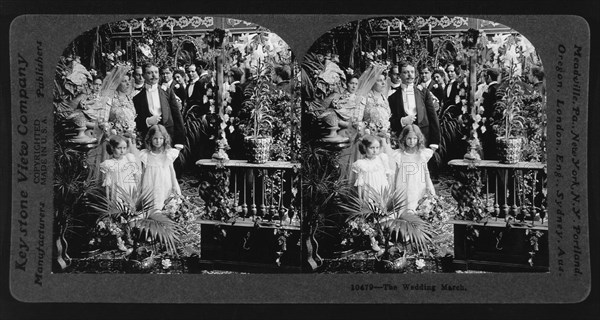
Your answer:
<point x="372" y="171"/>
<point x="157" y="164"/>
<point x="121" y="170"/>
<point x="411" y="160"/>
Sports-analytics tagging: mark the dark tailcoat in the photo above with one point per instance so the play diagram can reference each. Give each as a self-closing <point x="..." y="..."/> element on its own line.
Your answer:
<point x="427" y="119"/>
<point x="171" y="116"/>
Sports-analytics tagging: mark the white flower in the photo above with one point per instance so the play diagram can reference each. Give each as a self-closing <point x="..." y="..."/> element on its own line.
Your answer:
<point x="177" y="86"/>
<point x="145" y="49"/>
<point x="420" y="263"/>
<point x="435" y="86"/>
<point x="408" y="41"/>
<point x="150" y="41"/>
<point x="379" y="52"/>
<point x="383" y="50"/>
<point x="166" y="263"/>
<point x="119" y="53"/>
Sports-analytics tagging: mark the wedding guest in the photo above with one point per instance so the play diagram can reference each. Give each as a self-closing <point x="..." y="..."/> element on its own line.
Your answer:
<point x="199" y="89"/>
<point x="179" y="86"/>
<point x="451" y="90"/>
<point x="281" y="78"/>
<point x="138" y="80"/>
<point x="236" y="91"/>
<point x="490" y="97"/>
<point x="427" y="82"/>
<point x="166" y="75"/>
<point x="414" y="105"/>
<point x="155" y="106"/>
<point x="394" y="80"/>
<point x="536" y="77"/>
<point x="96" y="85"/>
<point x="438" y="86"/>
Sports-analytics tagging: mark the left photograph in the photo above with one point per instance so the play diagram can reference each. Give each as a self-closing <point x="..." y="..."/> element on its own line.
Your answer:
<point x="176" y="146"/>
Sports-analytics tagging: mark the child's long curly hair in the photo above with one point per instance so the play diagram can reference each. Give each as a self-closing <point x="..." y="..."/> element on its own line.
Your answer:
<point x="408" y="129"/>
<point x="163" y="131"/>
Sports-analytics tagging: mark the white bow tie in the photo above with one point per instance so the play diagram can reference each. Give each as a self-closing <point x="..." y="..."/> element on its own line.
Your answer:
<point x="408" y="88"/>
<point x="152" y="88"/>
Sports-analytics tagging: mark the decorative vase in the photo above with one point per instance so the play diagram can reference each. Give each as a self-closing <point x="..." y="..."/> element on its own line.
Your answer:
<point x="509" y="151"/>
<point x="259" y="149"/>
<point x="473" y="151"/>
<point x="220" y="151"/>
<point x="330" y="122"/>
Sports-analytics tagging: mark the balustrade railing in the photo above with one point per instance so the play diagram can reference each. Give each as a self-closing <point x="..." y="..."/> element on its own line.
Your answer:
<point x="265" y="192"/>
<point x="513" y="192"/>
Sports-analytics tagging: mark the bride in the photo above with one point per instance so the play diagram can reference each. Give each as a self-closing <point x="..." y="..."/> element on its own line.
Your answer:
<point x="122" y="111"/>
<point x="116" y="116"/>
<point x="370" y="113"/>
<point x="377" y="109"/>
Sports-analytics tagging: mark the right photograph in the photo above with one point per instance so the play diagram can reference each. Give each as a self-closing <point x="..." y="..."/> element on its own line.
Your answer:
<point x="424" y="148"/>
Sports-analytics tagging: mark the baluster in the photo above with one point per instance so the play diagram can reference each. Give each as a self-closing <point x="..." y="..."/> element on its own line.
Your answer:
<point x="244" y="204"/>
<point x="272" y="210"/>
<point x="514" y="209"/>
<point x="263" y="196"/>
<point x="505" y="206"/>
<point x="236" y="198"/>
<point x="488" y="207"/>
<point x="253" y="209"/>
<point x="533" y="187"/>
<point x="281" y="209"/>
<point x="496" y="205"/>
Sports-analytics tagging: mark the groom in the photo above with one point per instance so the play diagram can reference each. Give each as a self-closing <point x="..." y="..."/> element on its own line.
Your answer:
<point x="156" y="106"/>
<point x="414" y="104"/>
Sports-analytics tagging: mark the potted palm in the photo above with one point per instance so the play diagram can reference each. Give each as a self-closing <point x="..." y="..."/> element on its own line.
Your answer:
<point x="509" y="142"/>
<point x="258" y="144"/>
<point x="130" y="218"/>
<point x="398" y="228"/>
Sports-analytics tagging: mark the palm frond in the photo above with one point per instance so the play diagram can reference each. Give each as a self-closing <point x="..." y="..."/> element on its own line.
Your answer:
<point x="158" y="226"/>
<point x="387" y="208"/>
<point x="410" y="227"/>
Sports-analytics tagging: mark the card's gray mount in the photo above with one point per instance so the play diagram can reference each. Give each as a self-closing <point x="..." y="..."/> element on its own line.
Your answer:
<point x="563" y="43"/>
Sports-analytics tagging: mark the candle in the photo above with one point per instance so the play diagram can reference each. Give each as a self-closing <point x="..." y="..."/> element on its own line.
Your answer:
<point x="388" y="29"/>
<point x="130" y="33"/>
<point x="429" y="28"/>
<point x="172" y="29"/>
<point x="142" y="26"/>
<point x="400" y="26"/>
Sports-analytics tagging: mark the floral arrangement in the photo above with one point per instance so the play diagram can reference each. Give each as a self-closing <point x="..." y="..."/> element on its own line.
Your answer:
<point x="436" y="210"/>
<point x="357" y="232"/>
<point x="181" y="209"/>
<point x="111" y="59"/>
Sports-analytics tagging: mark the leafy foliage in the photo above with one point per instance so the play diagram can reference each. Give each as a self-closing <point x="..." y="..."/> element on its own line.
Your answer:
<point x="259" y="105"/>
<point x="467" y="193"/>
<point x="387" y="209"/>
<point x="132" y="211"/>
<point x="510" y="107"/>
<point x="322" y="187"/>
<point x="214" y="190"/>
